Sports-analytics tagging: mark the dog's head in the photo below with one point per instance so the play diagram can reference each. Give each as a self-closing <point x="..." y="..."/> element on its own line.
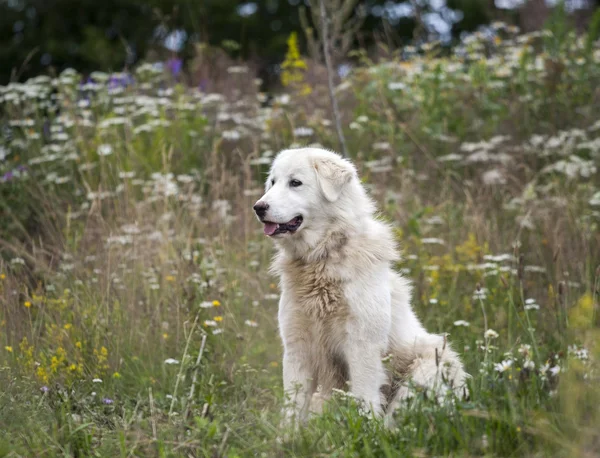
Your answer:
<point x="307" y="189"/>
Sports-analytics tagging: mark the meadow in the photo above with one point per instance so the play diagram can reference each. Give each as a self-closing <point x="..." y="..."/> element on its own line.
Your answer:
<point x="138" y="315"/>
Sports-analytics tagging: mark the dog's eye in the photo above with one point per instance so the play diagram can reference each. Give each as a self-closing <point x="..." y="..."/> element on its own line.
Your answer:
<point x="272" y="181"/>
<point x="295" y="183"/>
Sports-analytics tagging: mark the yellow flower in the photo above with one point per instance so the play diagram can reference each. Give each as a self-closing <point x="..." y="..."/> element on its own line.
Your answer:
<point x="2" y="276"/>
<point x="78" y="344"/>
<point x="170" y="278"/>
<point x="68" y="326"/>
<point x="274" y="364"/>
<point x="216" y="304"/>
<point x="218" y="318"/>
<point x="165" y="336"/>
<point x="116" y="375"/>
<point x="8" y="348"/>
<point x="27" y="304"/>
<point x="42" y="374"/>
<point x="518" y="429"/>
<point x="73" y="367"/>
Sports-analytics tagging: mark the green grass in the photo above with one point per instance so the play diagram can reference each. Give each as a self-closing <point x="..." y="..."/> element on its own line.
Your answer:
<point x="129" y="240"/>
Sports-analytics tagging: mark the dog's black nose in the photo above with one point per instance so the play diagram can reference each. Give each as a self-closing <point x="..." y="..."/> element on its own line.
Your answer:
<point x="261" y="208"/>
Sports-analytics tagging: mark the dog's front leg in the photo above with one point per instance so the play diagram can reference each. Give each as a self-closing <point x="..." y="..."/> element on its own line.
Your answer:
<point x="367" y="339"/>
<point x="367" y="373"/>
<point x="299" y="382"/>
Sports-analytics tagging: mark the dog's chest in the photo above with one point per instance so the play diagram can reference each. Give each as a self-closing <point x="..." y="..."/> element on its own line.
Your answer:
<point x="314" y="291"/>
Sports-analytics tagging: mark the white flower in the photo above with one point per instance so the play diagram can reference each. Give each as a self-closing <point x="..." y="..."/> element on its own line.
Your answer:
<point x="555" y="370"/>
<point x="528" y="364"/>
<point x="396" y="86"/>
<point x="462" y="323"/>
<point x="491" y="334"/>
<point x="171" y="361"/>
<point x="480" y="294"/>
<point x="531" y="305"/>
<point x="217" y="331"/>
<point x="105" y="150"/>
<point x="433" y="300"/>
<point x="231" y="135"/>
<point x="210" y="323"/>
<point x="503" y="366"/>
<point x="303" y="131"/>
<point x="524" y="349"/>
<point x="251" y="323"/>
<point x="206" y="305"/>
<point x="97" y="380"/>
<point x="433" y="241"/>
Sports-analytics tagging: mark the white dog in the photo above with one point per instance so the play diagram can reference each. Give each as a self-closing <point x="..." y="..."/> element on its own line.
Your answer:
<point x="343" y="309"/>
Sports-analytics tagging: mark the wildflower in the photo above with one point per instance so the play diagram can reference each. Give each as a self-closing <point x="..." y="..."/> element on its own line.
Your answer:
<point x="217" y="331"/>
<point x="480" y="293"/>
<point x="44" y="389"/>
<point x="531" y="305"/>
<point x="433" y="241"/>
<point x="170" y="278"/>
<point x="462" y="323"/>
<point x="529" y="364"/>
<point x="433" y="300"/>
<point x="231" y="135"/>
<point x="116" y="375"/>
<point x="165" y="336"/>
<point x="303" y="132"/>
<point x="9" y="349"/>
<point x="68" y="326"/>
<point x="97" y="380"/>
<point x="396" y="86"/>
<point x="107" y="401"/>
<point x="2" y="276"/>
<point x="27" y="304"/>
<point x="78" y="345"/>
<point x="105" y="150"/>
<point x="503" y="366"/>
<point x="210" y="323"/>
<point x="216" y="303"/>
<point x="171" y="361"/>
<point x="491" y="334"/>
<point x="218" y="319"/>
<point x="251" y="323"/>
<point x="207" y="304"/>
<point x="73" y="367"/>
<point x="555" y="370"/>
<point x="524" y="349"/>
<point x="175" y="64"/>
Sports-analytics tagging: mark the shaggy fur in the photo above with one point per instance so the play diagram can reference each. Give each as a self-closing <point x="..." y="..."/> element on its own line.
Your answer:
<point x="343" y="309"/>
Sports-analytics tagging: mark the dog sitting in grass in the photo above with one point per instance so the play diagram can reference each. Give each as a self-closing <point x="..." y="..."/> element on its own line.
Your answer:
<point x="343" y="309"/>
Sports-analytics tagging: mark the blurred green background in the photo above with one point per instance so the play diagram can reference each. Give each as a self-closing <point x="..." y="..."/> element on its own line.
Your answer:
<point x="47" y="36"/>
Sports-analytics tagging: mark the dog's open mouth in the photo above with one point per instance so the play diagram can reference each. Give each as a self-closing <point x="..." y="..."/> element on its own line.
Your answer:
<point x="271" y="229"/>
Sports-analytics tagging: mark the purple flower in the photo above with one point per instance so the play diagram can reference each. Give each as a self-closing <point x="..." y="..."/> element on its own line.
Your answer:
<point x="118" y="80"/>
<point x="175" y="64"/>
<point x="44" y="389"/>
<point x="8" y="176"/>
<point x="107" y="401"/>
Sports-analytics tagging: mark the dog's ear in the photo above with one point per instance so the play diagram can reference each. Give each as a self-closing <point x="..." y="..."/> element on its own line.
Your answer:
<point x="332" y="176"/>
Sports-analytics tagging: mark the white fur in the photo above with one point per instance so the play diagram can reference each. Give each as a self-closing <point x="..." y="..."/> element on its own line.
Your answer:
<point x="343" y="308"/>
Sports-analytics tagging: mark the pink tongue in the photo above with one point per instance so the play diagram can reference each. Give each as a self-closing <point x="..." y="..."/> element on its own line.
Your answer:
<point x="270" y="228"/>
